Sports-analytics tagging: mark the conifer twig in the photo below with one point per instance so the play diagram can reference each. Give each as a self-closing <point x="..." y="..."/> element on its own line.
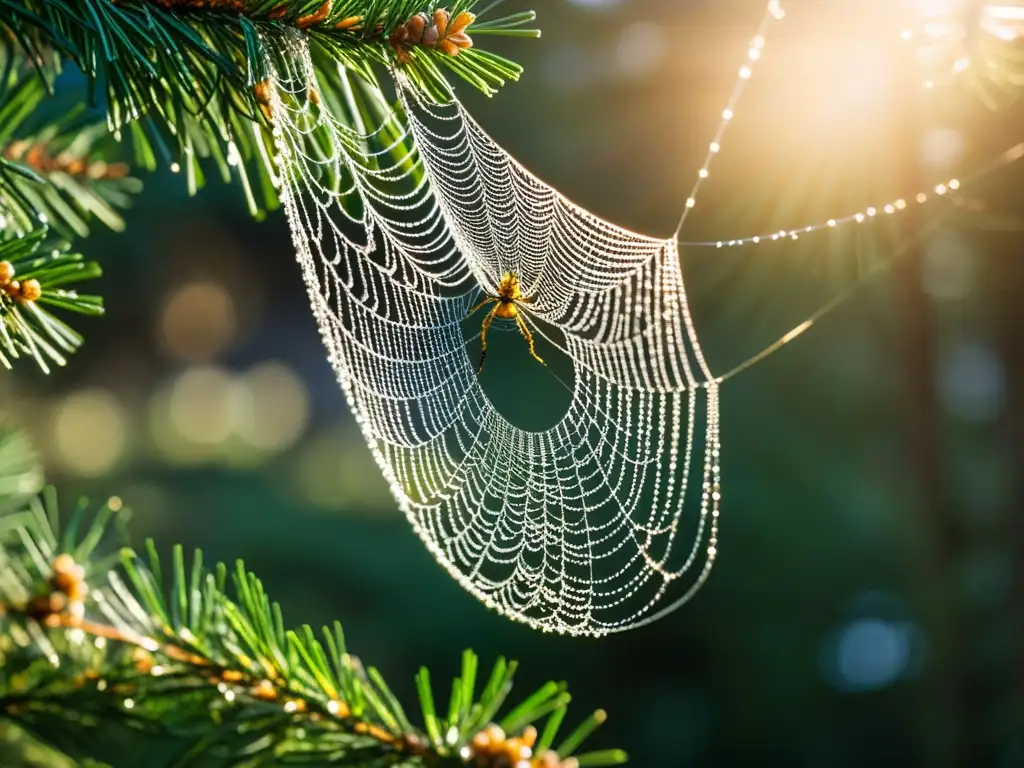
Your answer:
<point x="88" y="640"/>
<point x="33" y="282"/>
<point x="186" y="74"/>
<point x="62" y="172"/>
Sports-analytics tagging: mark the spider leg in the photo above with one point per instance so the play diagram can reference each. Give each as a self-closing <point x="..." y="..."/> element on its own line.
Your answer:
<point x="529" y="338"/>
<point x="482" y="304"/>
<point x="483" y="335"/>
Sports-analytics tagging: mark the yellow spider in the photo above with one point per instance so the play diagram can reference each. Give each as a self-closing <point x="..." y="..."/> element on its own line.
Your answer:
<point x="505" y="305"/>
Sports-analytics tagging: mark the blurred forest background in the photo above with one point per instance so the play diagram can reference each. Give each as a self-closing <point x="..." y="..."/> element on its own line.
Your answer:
<point x="868" y="602"/>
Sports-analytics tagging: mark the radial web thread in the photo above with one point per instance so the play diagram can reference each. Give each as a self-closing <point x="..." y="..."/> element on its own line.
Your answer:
<point x="579" y="528"/>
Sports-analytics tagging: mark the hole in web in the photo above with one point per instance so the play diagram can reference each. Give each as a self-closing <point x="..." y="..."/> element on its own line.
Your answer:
<point x="529" y="395"/>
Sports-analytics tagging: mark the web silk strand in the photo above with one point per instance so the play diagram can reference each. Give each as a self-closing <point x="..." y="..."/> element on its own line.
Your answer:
<point x="605" y="521"/>
<point x="589" y="527"/>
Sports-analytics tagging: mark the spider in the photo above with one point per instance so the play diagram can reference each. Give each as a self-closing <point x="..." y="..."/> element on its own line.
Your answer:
<point x="506" y="305"/>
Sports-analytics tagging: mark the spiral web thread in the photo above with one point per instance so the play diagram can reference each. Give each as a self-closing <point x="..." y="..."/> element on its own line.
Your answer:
<point x="576" y="529"/>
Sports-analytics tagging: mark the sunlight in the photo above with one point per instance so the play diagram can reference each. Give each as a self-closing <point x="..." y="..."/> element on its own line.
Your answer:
<point x="937" y="7"/>
<point x="1004" y="21"/>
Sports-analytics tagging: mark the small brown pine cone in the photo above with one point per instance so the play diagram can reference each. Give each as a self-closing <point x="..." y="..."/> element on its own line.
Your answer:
<point x="76" y="166"/>
<point x="67" y="574"/>
<point x="43" y="607"/>
<point x="261" y="92"/>
<point x="430" y="36"/>
<point x="317" y="17"/>
<point x="461" y="39"/>
<point x="415" y="27"/>
<point x="399" y="36"/>
<point x="265" y="691"/>
<point x="481" y="741"/>
<point x="529" y="736"/>
<point x="30" y="290"/>
<point x="460" y="22"/>
<point x="117" y="171"/>
<point x="143" y="660"/>
<point x="34" y="157"/>
<point x="441" y="19"/>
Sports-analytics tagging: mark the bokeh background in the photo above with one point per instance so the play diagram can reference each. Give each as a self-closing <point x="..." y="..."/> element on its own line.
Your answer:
<point x="868" y="601"/>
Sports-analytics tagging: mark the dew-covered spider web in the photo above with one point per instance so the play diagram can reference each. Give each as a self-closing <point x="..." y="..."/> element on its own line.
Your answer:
<point x="603" y="522"/>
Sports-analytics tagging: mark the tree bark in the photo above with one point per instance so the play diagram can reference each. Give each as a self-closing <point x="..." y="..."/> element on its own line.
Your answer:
<point x="943" y="711"/>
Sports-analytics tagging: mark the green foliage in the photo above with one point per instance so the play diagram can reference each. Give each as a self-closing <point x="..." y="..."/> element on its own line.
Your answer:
<point x="192" y="71"/>
<point x="106" y="653"/>
<point x="109" y="654"/>
<point x="181" y="79"/>
<point x="29" y="328"/>
<point x="55" y="175"/>
<point x="56" y="171"/>
<point x="20" y="476"/>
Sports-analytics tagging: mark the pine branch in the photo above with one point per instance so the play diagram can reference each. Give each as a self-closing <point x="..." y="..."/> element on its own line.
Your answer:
<point x="56" y="176"/>
<point x="20" y="475"/>
<point x="191" y="73"/>
<point x="195" y="67"/>
<point x="91" y="643"/>
<point x="61" y="172"/>
<point x="32" y="282"/>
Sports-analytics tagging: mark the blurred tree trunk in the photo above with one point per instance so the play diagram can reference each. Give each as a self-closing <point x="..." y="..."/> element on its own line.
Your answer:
<point x="1007" y="275"/>
<point x="943" y="707"/>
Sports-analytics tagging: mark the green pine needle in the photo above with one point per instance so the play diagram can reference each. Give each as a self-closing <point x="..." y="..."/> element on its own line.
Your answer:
<point x="582" y="732"/>
<point x="63" y="169"/>
<point x="20" y="474"/>
<point x="178" y="78"/>
<point x="28" y="328"/>
<point x="209" y="669"/>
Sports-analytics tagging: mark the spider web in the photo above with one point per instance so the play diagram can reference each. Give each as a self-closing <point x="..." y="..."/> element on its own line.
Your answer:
<point x="578" y="528"/>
